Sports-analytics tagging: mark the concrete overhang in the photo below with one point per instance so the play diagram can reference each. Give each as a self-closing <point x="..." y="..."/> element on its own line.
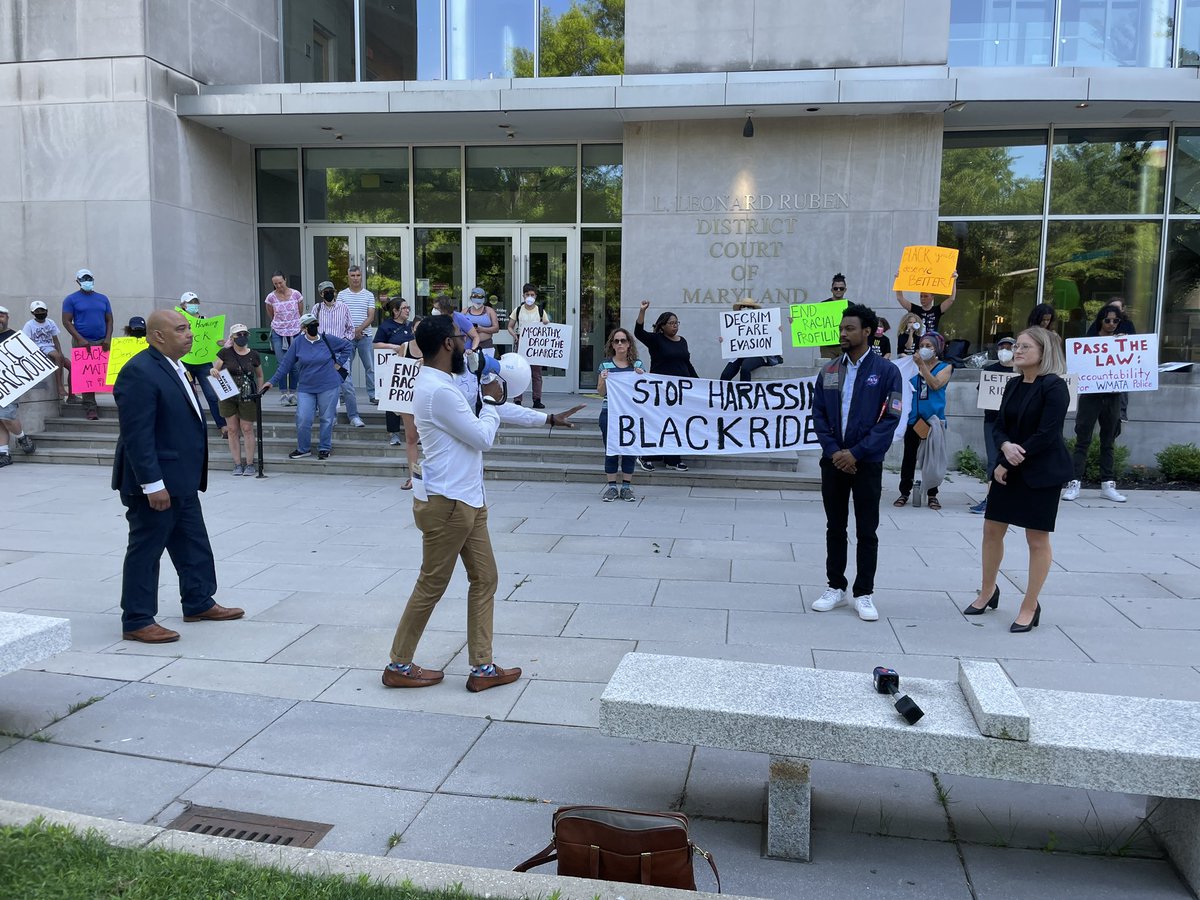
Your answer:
<point x="598" y="108"/>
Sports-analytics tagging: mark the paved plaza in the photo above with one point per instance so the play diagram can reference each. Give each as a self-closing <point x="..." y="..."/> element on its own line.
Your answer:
<point x="283" y="713"/>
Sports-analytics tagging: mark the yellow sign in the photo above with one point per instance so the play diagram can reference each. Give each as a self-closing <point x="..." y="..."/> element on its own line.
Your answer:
<point x="817" y="324"/>
<point x="207" y="338"/>
<point x="927" y="270"/>
<point x="123" y="350"/>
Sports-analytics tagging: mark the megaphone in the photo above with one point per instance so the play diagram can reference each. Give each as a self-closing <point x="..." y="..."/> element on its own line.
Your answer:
<point x="511" y="368"/>
<point x="482" y="366"/>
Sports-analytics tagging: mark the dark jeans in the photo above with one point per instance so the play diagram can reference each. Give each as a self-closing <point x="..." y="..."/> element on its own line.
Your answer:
<point x="180" y="531"/>
<point x="200" y="374"/>
<point x="836" y="490"/>
<point x="393" y="422"/>
<point x="908" y="466"/>
<point x="1105" y="408"/>
<point x="611" y="462"/>
<point x="742" y="368"/>
<point x="993" y="452"/>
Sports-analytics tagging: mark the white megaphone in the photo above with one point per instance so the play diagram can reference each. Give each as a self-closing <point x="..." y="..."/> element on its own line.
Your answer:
<point x="513" y="371"/>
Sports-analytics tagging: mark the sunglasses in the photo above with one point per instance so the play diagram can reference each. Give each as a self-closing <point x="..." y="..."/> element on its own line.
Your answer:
<point x="1112" y="321"/>
<point x="620" y="340"/>
<point x="838" y="289"/>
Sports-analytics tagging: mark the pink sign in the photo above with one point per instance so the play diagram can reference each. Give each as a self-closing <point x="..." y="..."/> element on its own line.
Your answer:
<point x="89" y="365"/>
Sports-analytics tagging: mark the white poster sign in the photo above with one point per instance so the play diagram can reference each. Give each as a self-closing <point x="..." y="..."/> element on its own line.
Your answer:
<point x="382" y="361"/>
<point x="395" y="391"/>
<point x="22" y="365"/>
<point x="1118" y="363"/>
<point x="547" y="345"/>
<point x="991" y="389"/>
<point x="751" y="332"/>
<point x="661" y="414"/>
<point x="224" y="385"/>
<point x="908" y="370"/>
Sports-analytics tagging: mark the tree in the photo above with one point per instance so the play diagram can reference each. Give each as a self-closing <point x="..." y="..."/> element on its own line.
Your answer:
<point x="587" y="39"/>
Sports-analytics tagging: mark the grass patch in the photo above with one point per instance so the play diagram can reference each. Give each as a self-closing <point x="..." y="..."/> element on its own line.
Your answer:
<point x="970" y="464"/>
<point x="82" y="704"/>
<point x="51" y="862"/>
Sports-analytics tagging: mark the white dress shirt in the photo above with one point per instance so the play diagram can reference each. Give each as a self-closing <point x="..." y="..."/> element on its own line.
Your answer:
<point x="187" y="384"/>
<point x="453" y="438"/>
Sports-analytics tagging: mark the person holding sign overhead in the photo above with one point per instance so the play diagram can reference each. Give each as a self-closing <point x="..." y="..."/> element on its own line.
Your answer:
<point x="929" y="312"/>
<point x="856" y="408"/>
<point x="189" y="303"/>
<point x="669" y="355"/>
<point x="240" y="411"/>
<point x="743" y="366"/>
<point x="1033" y="465"/>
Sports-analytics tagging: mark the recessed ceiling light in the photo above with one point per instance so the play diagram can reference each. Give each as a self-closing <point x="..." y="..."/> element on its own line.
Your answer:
<point x="1083" y="105"/>
<point x="813" y="108"/>
<point x="505" y="125"/>
<point x="327" y="128"/>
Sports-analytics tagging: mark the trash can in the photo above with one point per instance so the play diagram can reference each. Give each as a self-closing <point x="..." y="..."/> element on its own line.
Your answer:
<point x="260" y="340"/>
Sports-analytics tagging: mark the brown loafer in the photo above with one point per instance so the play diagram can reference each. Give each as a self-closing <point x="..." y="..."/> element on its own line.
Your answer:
<point x="152" y="634"/>
<point x="477" y="683"/>
<point x="415" y="677"/>
<point x="216" y="613"/>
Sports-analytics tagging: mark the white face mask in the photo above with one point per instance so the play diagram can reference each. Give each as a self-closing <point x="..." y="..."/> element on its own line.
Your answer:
<point x="926" y="352"/>
<point x="1004" y="356"/>
<point x="529" y="300"/>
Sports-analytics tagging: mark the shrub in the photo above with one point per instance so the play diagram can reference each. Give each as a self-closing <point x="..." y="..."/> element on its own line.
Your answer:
<point x="969" y="462"/>
<point x="1091" y="468"/>
<point x="1179" y="462"/>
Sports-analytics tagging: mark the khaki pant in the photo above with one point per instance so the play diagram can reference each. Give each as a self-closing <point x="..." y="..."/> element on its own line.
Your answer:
<point x="451" y="529"/>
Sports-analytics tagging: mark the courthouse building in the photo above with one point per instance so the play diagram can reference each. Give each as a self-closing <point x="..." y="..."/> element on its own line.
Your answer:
<point x="689" y="152"/>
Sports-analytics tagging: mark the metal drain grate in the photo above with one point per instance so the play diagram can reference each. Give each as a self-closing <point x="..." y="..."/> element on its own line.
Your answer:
<point x="245" y="826"/>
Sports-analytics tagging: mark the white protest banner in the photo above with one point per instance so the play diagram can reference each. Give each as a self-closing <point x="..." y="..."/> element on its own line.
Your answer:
<point x="224" y="385"/>
<point x="662" y="414"/>
<point x="383" y="369"/>
<point x="1117" y="363"/>
<point x="395" y="391"/>
<point x="22" y="365"/>
<point x="751" y="332"/>
<point x="547" y="345"/>
<point x="908" y="369"/>
<point x="991" y="389"/>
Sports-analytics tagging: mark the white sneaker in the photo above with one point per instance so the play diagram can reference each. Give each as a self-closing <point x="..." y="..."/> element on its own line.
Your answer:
<point x="866" y="608"/>
<point x="1108" y="490"/>
<point x="1072" y="491"/>
<point x="358" y="422"/>
<point x="394" y="440"/>
<point x="832" y="597"/>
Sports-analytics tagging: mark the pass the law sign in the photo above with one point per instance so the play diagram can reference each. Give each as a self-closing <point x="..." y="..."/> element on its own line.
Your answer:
<point x="1115" y="363"/>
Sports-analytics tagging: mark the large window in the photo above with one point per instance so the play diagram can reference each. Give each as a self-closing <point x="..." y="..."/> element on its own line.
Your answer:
<point x="993" y="173"/>
<point x="429" y="40"/>
<point x="1189" y="34"/>
<point x="1108" y="171"/>
<point x="356" y="185"/>
<point x="1181" y="303"/>
<point x="437" y="184"/>
<point x="1001" y="32"/>
<point x="1185" y="180"/>
<point x="278" y="185"/>
<point x="521" y="184"/>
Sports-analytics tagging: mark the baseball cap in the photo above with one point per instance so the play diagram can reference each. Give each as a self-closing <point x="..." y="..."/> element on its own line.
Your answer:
<point x="137" y="322"/>
<point x="84" y="273"/>
<point x="478" y="292"/>
<point x="4" y="309"/>
<point x="1006" y="340"/>
<point x="307" y="318"/>
<point x="36" y="305"/>
<point x="323" y="285"/>
<point x="238" y="329"/>
<point x="188" y="297"/>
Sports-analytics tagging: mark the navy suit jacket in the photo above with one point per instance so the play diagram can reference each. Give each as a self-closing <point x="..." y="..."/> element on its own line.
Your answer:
<point x="161" y="438"/>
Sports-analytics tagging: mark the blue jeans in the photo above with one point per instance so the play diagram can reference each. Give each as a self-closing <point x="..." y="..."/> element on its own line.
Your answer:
<point x="308" y="404"/>
<point x="611" y="462"/>
<point x="363" y="350"/>
<point x="289" y="383"/>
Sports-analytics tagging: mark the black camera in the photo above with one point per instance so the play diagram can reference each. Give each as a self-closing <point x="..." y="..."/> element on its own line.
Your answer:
<point x="887" y="681"/>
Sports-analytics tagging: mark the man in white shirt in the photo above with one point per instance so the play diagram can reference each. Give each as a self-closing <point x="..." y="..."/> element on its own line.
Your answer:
<point x="450" y="508"/>
<point x="362" y="316"/>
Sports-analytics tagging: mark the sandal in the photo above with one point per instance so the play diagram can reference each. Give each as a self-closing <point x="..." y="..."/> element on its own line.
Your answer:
<point x="407" y="486"/>
<point x="902" y="500"/>
<point x="933" y="503"/>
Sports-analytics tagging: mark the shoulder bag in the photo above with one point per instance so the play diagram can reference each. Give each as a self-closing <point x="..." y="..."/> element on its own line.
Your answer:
<point x="337" y="365"/>
<point x="622" y="845"/>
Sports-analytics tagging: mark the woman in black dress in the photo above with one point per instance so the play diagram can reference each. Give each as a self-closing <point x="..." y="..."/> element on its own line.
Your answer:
<point x="669" y="355"/>
<point x="1033" y="466"/>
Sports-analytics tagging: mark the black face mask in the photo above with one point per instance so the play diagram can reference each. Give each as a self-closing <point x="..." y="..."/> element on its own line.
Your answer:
<point x="137" y="332"/>
<point x="241" y="340"/>
<point x="40" y="316"/>
<point x="327" y="296"/>
<point x="311" y="328"/>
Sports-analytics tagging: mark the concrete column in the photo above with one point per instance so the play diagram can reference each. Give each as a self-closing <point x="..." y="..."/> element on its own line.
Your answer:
<point x="1176" y="825"/>
<point x="789" y="808"/>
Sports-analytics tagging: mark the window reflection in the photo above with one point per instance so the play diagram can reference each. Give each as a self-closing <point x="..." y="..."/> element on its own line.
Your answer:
<point x="1111" y="171"/>
<point x="993" y="173"/>
<point x="487" y="38"/>
<point x="277" y="185"/>
<point x="318" y="41"/>
<point x="1185" y="179"/>
<point x="1116" y="32"/>
<point x="356" y="185"/>
<point x="997" y="278"/>
<point x="401" y="40"/>
<point x="437" y="184"/>
<point x="1189" y="34"/>
<point x="1001" y="32"/>
<point x="521" y="184"/>
<point x="437" y="266"/>
<point x="1088" y="263"/>
<point x="601" y="177"/>
<point x="1181" y="304"/>
<point x="579" y="37"/>
<point x="600" y="298"/>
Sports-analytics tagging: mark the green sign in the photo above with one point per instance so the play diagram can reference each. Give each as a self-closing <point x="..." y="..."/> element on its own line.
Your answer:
<point x="207" y="336"/>
<point x="817" y="324"/>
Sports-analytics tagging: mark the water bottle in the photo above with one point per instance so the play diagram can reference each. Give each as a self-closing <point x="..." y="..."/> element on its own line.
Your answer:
<point x="918" y="494"/>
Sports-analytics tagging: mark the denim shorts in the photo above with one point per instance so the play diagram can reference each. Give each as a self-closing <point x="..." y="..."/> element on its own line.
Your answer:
<point x="9" y="412"/>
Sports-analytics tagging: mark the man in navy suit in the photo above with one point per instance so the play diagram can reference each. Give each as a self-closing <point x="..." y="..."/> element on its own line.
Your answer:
<point x="160" y="466"/>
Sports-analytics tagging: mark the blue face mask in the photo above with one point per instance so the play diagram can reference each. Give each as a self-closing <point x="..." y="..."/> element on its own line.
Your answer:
<point x="87" y="285"/>
<point x="193" y="308"/>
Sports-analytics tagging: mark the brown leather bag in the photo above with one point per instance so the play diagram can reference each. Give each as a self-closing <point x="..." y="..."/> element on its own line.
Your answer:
<point x="622" y="845"/>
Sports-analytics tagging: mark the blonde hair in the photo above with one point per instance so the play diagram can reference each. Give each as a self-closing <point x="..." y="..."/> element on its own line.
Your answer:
<point x="1054" y="361"/>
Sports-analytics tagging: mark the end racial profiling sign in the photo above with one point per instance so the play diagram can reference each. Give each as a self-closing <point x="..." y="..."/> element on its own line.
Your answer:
<point x="395" y="380"/>
<point x="651" y="414"/>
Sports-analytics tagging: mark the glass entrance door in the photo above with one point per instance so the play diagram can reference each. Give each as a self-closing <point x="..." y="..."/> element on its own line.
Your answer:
<point x="380" y="251"/>
<point x="502" y="259"/>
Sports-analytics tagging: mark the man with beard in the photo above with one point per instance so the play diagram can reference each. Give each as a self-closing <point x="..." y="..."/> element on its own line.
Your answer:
<point x="856" y="409"/>
<point x="450" y="509"/>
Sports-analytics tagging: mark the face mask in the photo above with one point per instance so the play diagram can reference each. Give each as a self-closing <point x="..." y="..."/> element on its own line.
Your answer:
<point x="311" y="328"/>
<point x="242" y="340"/>
<point x="1004" y="355"/>
<point x="926" y="352"/>
<point x="137" y="332"/>
<point x="327" y="296"/>
<point x="87" y="285"/>
<point x="193" y="308"/>
<point x="529" y="300"/>
<point x="40" y="316"/>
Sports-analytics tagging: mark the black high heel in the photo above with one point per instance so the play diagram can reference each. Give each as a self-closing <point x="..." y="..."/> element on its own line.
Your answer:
<point x="1033" y="623"/>
<point x="973" y="610"/>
